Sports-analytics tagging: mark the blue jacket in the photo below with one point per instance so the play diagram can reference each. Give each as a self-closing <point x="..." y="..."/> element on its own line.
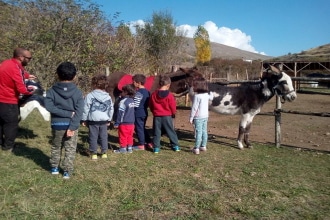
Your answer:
<point x="126" y="112"/>
<point x="141" y="102"/>
<point x="65" y="103"/>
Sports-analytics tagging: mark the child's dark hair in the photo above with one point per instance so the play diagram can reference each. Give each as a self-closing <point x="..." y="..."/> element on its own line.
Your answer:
<point x="200" y="85"/>
<point x="139" y="78"/>
<point x="66" y="71"/>
<point x="99" y="81"/>
<point x="129" y="89"/>
<point x="164" y="80"/>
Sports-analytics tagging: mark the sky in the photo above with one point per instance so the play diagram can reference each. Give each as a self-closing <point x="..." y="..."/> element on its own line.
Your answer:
<point x="268" y="27"/>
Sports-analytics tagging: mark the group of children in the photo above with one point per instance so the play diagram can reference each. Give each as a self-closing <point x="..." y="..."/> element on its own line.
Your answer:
<point x="69" y="108"/>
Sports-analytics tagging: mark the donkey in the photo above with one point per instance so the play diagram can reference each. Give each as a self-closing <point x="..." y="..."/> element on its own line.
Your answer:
<point x="248" y="98"/>
<point x="180" y="81"/>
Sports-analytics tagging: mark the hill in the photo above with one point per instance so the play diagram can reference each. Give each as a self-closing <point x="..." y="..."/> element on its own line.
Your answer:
<point x="319" y="54"/>
<point x="222" y="51"/>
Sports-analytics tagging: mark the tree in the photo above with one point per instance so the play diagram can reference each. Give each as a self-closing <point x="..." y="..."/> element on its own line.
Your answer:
<point x="164" y="40"/>
<point x="128" y="52"/>
<point x="57" y="31"/>
<point x="203" y="47"/>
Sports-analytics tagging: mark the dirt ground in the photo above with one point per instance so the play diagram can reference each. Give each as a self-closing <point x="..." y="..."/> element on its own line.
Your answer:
<point x="298" y="131"/>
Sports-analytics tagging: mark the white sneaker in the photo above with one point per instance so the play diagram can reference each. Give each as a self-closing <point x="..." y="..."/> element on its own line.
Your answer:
<point x="202" y="148"/>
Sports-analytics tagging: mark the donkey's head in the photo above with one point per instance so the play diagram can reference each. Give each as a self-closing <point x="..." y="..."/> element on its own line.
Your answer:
<point x="181" y="80"/>
<point x="279" y="83"/>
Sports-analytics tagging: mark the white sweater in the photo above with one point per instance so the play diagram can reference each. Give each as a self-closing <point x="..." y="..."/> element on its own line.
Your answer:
<point x="200" y="106"/>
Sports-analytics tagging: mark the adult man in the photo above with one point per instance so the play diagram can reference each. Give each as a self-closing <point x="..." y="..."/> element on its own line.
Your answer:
<point x="12" y="76"/>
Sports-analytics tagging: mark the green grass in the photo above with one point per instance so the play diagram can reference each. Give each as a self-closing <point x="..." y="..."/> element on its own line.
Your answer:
<point x="263" y="183"/>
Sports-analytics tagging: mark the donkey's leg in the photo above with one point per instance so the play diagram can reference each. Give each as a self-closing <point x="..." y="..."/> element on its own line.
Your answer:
<point x="241" y="132"/>
<point x="249" y="118"/>
<point x="244" y="128"/>
<point x="246" y="135"/>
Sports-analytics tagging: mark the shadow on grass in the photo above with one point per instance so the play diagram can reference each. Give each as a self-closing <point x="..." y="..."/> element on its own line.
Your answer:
<point x="32" y="153"/>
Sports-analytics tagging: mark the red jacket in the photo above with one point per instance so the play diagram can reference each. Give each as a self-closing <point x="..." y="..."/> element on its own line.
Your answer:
<point x="12" y="81"/>
<point x="162" y="103"/>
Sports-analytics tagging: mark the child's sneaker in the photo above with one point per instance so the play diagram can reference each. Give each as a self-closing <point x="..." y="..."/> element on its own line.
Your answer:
<point x="150" y="146"/>
<point x="139" y="147"/>
<point x="122" y="150"/>
<point x="130" y="150"/>
<point x="55" y="170"/>
<point x="202" y="148"/>
<point x="104" y="156"/>
<point x="94" y="157"/>
<point x="156" y="150"/>
<point x="195" y="150"/>
<point x="66" y="175"/>
<point x="176" y="148"/>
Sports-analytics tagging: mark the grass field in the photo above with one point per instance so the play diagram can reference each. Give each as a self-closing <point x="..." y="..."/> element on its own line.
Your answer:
<point x="222" y="183"/>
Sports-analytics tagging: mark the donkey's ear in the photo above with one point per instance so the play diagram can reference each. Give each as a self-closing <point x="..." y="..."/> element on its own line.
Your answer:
<point x="274" y="69"/>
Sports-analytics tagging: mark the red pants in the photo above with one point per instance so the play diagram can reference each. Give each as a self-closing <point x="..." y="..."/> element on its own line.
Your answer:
<point x="125" y="134"/>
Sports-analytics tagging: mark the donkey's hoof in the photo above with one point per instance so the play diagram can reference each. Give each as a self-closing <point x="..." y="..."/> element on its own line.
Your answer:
<point x="249" y="146"/>
<point x="240" y="145"/>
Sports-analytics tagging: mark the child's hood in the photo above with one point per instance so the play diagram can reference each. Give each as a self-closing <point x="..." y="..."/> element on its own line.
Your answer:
<point x="66" y="90"/>
<point x="161" y="94"/>
<point x="100" y="95"/>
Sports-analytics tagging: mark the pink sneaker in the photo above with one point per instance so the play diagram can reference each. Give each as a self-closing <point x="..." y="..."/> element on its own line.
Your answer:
<point x="138" y="147"/>
<point x="150" y="146"/>
<point x="195" y="150"/>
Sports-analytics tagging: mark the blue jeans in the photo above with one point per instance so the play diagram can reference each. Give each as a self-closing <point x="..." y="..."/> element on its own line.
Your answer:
<point x="200" y="132"/>
<point x="141" y="131"/>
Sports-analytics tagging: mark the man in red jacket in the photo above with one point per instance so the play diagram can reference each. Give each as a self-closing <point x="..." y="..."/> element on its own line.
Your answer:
<point x="12" y="84"/>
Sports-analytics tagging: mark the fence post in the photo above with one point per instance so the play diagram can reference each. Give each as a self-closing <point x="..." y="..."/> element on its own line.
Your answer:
<point x="107" y="71"/>
<point x="277" y="113"/>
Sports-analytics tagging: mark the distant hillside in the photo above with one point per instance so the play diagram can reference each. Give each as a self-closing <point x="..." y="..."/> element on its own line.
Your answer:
<point x="320" y="54"/>
<point x="223" y="51"/>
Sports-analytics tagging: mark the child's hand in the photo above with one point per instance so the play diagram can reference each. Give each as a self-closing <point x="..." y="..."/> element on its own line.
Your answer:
<point x="69" y="133"/>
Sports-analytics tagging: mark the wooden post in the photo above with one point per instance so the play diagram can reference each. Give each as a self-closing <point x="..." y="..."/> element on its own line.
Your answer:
<point x="277" y="113"/>
<point x="107" y="71"/>
<point x="187" y="99"/>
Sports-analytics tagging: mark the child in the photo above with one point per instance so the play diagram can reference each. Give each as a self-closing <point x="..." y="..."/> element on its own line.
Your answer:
<point x="98" y="112"/>
<point x="200" y="113"/>
<point x="141" y="101"/>
<point x="125" y="120"/>
<point x="65" y="102"/>
<point x="163" y="106"/>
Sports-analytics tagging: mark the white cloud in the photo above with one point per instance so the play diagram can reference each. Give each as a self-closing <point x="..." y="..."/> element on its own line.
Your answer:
<point x="222" y="35"/>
